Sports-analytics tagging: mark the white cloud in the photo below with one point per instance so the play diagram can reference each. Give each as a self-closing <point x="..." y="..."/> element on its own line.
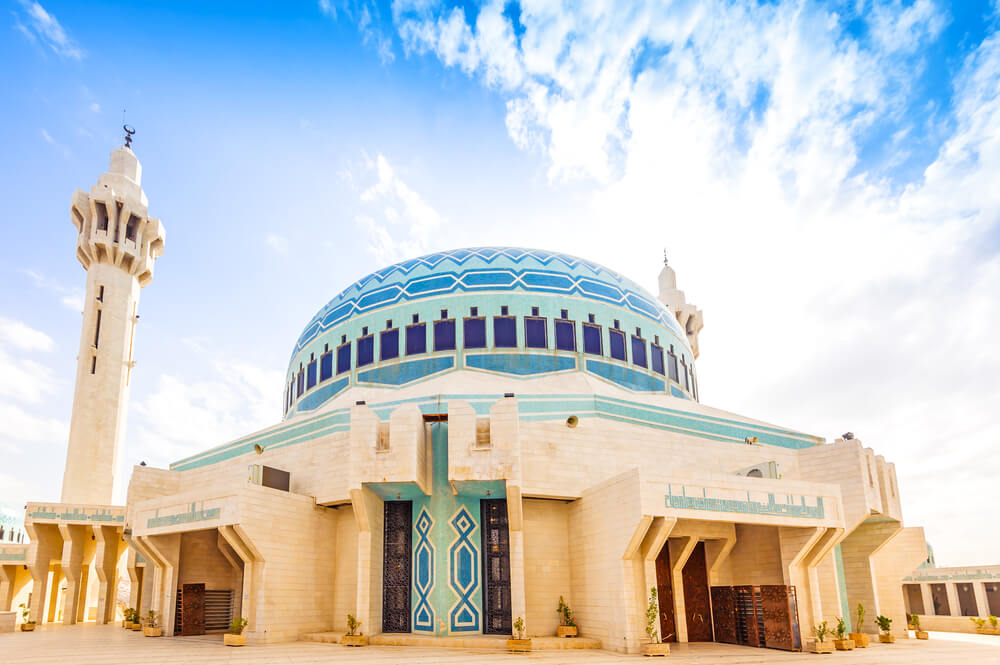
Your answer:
<point x="399" y="222"/>
<point x="48" y="138"/>
<point x="95" y="107"/>
<point x="278" y="243"/>
<point x="71" y="298"/>
<point x="42" y="26"/>
<point x="731" y="132"/>
<point x="24" y="337"/>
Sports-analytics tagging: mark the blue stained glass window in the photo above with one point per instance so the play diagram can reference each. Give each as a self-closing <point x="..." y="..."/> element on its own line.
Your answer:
<point x="672" y="365"/>
<point x="617" y="345"/>
<point x="534" y="333"/>
<point x="474" y="333"/>
<point x="592" y="339"/>
<point x="301" y="383"/>
<point x="366" y="350"/>
<point x="389" y="344"/>
<point x="656" y="358"/>
<point x="416" y="339"/>
<point x="684" y="371"/>
<point x="504" y="331"/>
<point x="565" y="336"/>
<point x="325" y="366"/>
<point x="444" y="335"/>
<point x="639" y="351"/>
<point x="344" y="358"/>
<point x="311" y="375"/>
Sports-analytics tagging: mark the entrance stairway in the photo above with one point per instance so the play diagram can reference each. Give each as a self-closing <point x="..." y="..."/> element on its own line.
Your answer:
<point x="493" y="642"/>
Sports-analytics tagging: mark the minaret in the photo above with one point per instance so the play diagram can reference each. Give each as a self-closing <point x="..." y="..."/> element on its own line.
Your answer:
<point x="688" y="315"/>
<point x="117" y="244"/>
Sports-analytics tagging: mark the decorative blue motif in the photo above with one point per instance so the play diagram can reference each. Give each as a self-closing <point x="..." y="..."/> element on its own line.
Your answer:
<point x="789" y="509"/>
<point x="487" y="269"/>
<point x="423" y="577"/>
<point x="464" y="616"/>
<point x="520" y="364"/>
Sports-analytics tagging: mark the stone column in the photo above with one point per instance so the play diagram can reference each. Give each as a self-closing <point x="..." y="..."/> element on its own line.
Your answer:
<point x="7" y="576"/>
<point x="369" y="511"/>
<point x="954" y="606"/>
<point x="106" y="563"/>
<point x="679" y="554"/>
<point x="72" y="558"/>
<point x="982" y="606"/>
<point x="46" y="545"/>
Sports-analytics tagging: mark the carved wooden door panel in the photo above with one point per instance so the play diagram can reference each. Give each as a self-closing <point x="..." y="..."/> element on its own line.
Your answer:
<point x="776" y="602"/>
<point x="746" y="617"/>
<point x="665" y="595"/>
<point x="193" y="609"/>
<point x="697" y="605"/>
<point x="496" y="567"/>
<point x="724" y="614"/>
<point x="396" y="566"/>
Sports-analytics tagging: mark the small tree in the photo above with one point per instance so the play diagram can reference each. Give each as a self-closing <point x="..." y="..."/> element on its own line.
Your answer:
<point x="915" y="621"/>
<point x="652" y="615"/>
<point x="884" y="623"/>
<point x="352" y="625"/>
<point x="132" y="615"/>
<point x="841" y="630"/>
<point x="993" y="622"/>
<point x="860" y="613"/>
<point x="821" y="631"/>
<point x="565" y="613"/>
<point x="518" y="628"/>
<point x="151" y="619"/>
<point x="25" y="613"/>
<point x="237" y="626"/>
<point x="980" y="623"/>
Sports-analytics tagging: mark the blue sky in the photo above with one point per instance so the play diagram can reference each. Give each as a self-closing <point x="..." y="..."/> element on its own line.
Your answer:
<point x="822" y="174"/>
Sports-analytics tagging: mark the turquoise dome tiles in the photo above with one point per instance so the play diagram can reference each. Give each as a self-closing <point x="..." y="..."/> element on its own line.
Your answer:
<point x="487" y="269"/>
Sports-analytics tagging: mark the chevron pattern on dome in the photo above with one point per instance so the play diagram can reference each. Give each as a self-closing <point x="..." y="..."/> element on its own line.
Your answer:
<point x="486" y="269"/>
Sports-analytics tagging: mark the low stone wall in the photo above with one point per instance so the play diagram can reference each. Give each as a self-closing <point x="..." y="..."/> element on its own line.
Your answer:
<point x="7" y="620"/>
<point x="950" y="624"/>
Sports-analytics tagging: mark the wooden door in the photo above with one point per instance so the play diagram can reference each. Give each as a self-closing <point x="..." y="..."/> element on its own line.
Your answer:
<point x="776" y="600"/>
<point x="396" y="566"/>
<point x="193" y="609"/>
<point x="665" y="595"/>
<point x="747" y="626"/>
<point x="724" y="614"/>
<point x="697" y="605"/>
<point x="496" y="567"/>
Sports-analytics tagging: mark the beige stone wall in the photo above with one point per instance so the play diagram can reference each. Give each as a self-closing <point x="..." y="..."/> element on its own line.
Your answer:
<point x="755" y="558"/>
<point x="345" y="591"/>
<point x="546" y="564"/>
<point x="895" y="560"/>
<point x="201" y="562"/>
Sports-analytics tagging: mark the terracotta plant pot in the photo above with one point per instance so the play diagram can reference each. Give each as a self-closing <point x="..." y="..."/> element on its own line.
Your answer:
<point x="566" y="631"/>
<point x="821" y="647"/>
<point x="152" y="632"/>
<point x="231" y="640"/>
<point x="137" y="626"/>
<point x="655" y="649"/>
<point x="860" y="639"/>
<point x="519" y="646"/>
<point x="921" y="634"/>
<point x="128" y="625"/>
<point x="27" y="627"/>
<point x="354" y="640"/>
<point x="886" y="639"/>
<point x="844" y="645"/>
<point x="994" y="631"/>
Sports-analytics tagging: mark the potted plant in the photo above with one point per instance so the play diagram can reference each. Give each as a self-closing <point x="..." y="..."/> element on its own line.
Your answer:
<point x="567" y="627"/>
<point x="842" y="643"/>
<point x="519" y="640"/>
<point x="354" y="637"/>
<point x="127" y="622"/>
<point x="27" y="624"/>
<point x="820" y="645"/>
<point x="235" y="636"/>
<point x="654" y="647"/>
<point x="860" y="637"/>
<point x="915" y="622"/>
<point x="980" y="624"/>
<point x="993" y="625"/>
<point x="884" y="624"/>
<point x="136" y="620"/>
<point x="152" y="628"/>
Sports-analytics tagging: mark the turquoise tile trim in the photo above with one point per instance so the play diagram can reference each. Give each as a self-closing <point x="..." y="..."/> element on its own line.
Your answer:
<point x="193" y="515"/>
<point x="790" y="509"/>
<point x="677" y="392"/>
<point x="396" y="491"/>
<point x="13" y="556"/>
<point x="625" y="377"/>
<point x="464" y="573"/>
<point x="139" y="558"/>
<point x="845" y="606"/>
<point x="520" y="364"/>
<point x="406" y="372"/>
<point x="929" y="575"/>
<point x="315" y="398"/>
<point x="423" y="574"/>
<point x="77" y="515"/>
<point x="532" y="408"/>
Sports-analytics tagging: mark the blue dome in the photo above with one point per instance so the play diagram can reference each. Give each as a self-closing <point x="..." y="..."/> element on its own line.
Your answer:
<point x="516" y="281"/>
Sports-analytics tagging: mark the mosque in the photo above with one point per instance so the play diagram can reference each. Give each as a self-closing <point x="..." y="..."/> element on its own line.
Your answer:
<point x="467" y="438"/>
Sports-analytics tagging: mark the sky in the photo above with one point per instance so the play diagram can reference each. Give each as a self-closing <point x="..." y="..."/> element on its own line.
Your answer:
<point x="823" y="176"/>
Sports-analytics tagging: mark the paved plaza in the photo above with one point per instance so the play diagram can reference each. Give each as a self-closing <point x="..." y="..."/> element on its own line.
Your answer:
<point x="91" y="644"/>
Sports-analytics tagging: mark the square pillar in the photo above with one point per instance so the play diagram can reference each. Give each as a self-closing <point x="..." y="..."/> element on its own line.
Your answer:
<point x="954" y="606"/>
<point x="982" y="606"/>
<point x="72" y="560"/>
<point x="927" y="598"/>
<point x="679" y="554"/>
<point x="106" y="564"/>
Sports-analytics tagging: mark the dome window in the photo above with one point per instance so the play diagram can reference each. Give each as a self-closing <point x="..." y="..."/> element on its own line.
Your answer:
<point x="656" y="357"/>
<point x="474" y="332"/>
<point x="617" y="343"/>
<point x="416" y="338"/>
<point x="504" y="331"/>
<point x="389" y="344"/>
<point x="444" y="333"/>
<point x="638" y="350"/>
<point x="311" y="375"/>
<point x="672" y="365"/>
<point x="534" y="332"/>
<point x="366" y="349"/>
<point x="344" y="357"/>
<point x="592" y="339"/>
<point x="326" y="365"/>
<point x="565" y="334"/>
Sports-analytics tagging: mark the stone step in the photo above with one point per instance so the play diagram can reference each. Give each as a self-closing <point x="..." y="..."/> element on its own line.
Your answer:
<point x="471" y="642"/>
